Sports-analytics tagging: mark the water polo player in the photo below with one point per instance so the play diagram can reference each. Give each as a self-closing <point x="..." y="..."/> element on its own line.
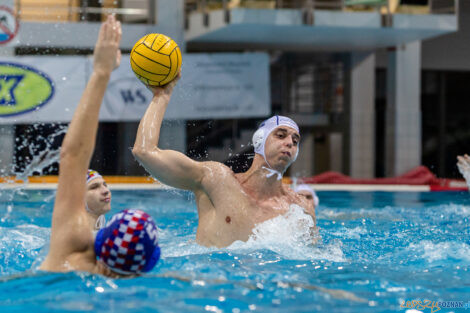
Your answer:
<point x="97" y="200"/>
<point x="229" y="205"/>
<point x="307" y="192"/>
<point x="128" y="244"/>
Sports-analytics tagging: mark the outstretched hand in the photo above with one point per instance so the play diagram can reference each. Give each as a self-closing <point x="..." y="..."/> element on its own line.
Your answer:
<point x="165" y="90"/>
<point x="107" y="55"/>
<point x="463" y="163"/>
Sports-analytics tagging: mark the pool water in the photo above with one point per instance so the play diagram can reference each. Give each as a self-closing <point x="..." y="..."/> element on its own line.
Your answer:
<point x="377" y="250"/>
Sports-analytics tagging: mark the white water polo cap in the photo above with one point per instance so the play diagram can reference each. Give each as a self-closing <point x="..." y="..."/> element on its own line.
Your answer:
<point x="266" y="128"/>
<point x="304" y="187"/>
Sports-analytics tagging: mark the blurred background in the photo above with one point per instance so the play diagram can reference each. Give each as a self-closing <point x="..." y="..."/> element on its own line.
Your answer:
<point x="378" y="87"/>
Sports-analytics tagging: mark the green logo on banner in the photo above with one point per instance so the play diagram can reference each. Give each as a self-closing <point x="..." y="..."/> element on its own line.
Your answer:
<point x="23" y="89"/>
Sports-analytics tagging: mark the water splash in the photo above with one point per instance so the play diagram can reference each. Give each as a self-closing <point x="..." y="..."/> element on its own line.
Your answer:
<point x="42" y="157"/>
<point x="28" y="241"/>
<point x="432" y="251"/>
<point x="39" y="163"/>
<point x="351" y="233"/>
<point x="43" y="152"/>
<point x="290" y="235"/>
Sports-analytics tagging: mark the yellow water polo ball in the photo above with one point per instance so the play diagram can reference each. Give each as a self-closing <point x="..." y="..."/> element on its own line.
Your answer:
<point x="156" y="59"/>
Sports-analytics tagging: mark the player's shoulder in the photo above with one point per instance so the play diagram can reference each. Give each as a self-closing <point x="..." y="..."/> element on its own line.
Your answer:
<point x="297" y="199"/>
<point x="291" y="192"/>
<point x="217" y="174"/>
<point x="216" y="167"/>
<point x="72" y="234"/>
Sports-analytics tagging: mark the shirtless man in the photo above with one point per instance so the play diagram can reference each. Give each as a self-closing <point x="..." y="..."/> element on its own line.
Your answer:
<point x="128" y="244"/>
<point x="229" y="205"/>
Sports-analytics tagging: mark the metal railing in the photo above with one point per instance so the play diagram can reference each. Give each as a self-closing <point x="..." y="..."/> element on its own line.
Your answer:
<point x="436" y="6"/>
<point x="143" y="11"/>
<point x="307" y="6"/>
<point x="444" y="6"/>
<point x="386" y="7"/>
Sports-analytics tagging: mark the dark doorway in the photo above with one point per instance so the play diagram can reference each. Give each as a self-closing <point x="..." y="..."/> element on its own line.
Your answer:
<point x="445" y="116"/>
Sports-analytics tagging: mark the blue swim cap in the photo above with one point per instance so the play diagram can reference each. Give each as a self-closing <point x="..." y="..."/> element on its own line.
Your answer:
<point x="129" y="243"/>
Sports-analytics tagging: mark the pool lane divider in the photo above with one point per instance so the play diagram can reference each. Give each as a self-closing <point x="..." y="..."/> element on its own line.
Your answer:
<point x="149" y="183"/>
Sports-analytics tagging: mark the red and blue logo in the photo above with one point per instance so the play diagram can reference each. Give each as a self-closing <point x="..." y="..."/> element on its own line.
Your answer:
<point x="9" y="24"/>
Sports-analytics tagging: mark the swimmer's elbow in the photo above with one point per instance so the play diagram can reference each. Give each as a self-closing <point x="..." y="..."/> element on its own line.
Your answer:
<point x="141" y="153"/>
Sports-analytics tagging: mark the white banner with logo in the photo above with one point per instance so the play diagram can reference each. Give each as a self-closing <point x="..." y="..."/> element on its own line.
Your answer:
<point x="48" y="89"/>
<point x="40" y="89"/>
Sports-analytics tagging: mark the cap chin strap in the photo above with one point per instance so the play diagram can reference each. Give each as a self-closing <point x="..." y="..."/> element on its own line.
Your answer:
<point x="100" y="221"/>
<point x="259" y="139"/>
<point x="272" y="172"/>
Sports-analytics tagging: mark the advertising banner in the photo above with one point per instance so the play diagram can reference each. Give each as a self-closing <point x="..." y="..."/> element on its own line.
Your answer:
<point x="225" y="85"/>
<point x="48" y="89"/>
<point x="40" y="89"/>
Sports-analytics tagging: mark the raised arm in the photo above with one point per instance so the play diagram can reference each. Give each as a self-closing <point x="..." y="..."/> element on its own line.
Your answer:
<point x="170" y="167"/>
<point x="79" y="142"/>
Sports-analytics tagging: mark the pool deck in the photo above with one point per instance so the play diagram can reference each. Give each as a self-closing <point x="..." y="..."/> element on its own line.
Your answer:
<point x="148" y="183"/>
